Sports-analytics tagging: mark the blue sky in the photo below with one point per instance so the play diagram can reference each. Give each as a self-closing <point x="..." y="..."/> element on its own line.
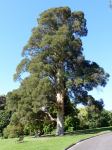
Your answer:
<point x="18" y="17"/>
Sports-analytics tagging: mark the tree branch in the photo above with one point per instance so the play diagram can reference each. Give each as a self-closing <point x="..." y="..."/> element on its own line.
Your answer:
<point x="51" y="118"/>
<point x="44" y="109"/>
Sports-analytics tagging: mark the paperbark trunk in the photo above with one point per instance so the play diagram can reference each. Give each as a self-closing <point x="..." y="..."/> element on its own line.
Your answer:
<point x="60" y="114"/>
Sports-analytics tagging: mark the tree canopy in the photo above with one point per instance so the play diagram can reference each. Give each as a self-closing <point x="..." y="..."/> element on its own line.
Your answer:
<point x="56" y="66"/>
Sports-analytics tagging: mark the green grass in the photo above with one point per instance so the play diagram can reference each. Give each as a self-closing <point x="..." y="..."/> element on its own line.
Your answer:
<point x="49" y="143"/>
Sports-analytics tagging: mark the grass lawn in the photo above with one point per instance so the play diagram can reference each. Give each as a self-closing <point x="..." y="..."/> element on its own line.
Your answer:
<point x="49" y="143"/>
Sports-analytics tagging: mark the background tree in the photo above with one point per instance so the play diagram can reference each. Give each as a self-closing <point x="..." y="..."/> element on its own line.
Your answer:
<point x="4" y="114"/>
<point x="2" y="102"/>
<point x="94" y="111"/>
<point x="105" y="118"/>
<point x="57" y="68"/>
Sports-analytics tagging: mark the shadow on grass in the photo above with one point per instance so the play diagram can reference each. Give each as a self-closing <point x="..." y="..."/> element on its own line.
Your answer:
<point x="90" y="131"/>
<point x="78" y="132"/>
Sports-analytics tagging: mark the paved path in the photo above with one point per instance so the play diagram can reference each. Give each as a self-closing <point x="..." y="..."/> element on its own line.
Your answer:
<point x="102" y="142"/>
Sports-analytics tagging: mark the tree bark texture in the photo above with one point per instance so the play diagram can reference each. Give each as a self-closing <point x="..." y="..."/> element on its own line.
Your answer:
<point x="60" y="114"/>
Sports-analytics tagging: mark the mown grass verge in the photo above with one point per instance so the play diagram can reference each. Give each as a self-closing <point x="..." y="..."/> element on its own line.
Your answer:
<point x="50" y="143"/>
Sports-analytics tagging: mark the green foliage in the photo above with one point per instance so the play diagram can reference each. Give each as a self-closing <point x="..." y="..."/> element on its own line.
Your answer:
<point x="83" y="118"/>
<point x="48" y="128"/>
<point x="105" y="119"/>
<point x="12" y="100"/>
<point x="4" y="119"/>
<point x="2" y="102"/>
<point x="94" y="116"/>
<point x="55" y="52"/>
<point x="4" y="115"/>
<point x="54" y="61"/>
<point x="71" y="123"/>
<point x="15" y="128"/>
<point x="13" y="131"/>
<point x="94" y="109"/>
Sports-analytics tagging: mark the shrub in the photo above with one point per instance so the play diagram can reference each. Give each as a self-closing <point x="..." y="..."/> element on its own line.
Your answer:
<point x="71" y="123"/>
<point x="12" y="131"/>
<point x="48" y="128"/>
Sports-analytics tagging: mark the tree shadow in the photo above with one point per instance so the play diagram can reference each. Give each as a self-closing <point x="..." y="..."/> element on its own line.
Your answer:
<point x="90" y="131"/>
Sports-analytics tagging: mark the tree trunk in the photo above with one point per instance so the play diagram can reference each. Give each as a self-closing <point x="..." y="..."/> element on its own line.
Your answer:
<point x="60" y="114"/>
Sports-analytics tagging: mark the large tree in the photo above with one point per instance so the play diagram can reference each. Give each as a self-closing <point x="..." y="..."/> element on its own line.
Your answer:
<point x="57" y="69"/>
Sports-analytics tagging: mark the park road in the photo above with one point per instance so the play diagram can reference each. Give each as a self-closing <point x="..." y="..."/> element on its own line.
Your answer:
<point x="101" y="142"/>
